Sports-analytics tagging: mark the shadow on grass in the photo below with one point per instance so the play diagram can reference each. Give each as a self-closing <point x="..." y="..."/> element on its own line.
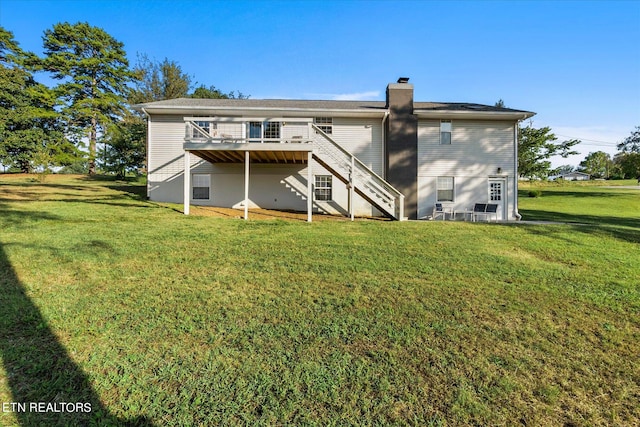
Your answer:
<point x="39" y="369"/>
<point x="622" y="228"/>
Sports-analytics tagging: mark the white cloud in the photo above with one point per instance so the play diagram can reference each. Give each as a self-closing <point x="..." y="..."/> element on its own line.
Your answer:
<point x="358" y="96"/>
<point x="372" y="95"/>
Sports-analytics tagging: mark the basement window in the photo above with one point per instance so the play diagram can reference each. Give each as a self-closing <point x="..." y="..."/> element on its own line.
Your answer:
<point x="444" y="189"/>
<point x="323" y="188"/>
<point x="445" y="132"/>
<point x="201" y="186"/>
<point x="325" y="124"/>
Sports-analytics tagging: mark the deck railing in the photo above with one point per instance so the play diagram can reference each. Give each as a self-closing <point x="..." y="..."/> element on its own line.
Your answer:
<point x="196" y="133"/>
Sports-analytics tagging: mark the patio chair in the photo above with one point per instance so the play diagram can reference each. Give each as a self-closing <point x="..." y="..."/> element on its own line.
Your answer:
<point x="492" y="209"/>
<point x="479" y="209"/>
<point x="438" y="210"/>
<point x="226" y="138"/>
<point x="296" y="139"/>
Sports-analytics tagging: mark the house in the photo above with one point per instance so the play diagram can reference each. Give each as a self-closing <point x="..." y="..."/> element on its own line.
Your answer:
<point x="576" y="176"/>
<point x="395" y="158"/>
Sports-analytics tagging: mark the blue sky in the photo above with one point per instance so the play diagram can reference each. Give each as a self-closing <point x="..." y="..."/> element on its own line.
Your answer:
<point x="575" y="63"/>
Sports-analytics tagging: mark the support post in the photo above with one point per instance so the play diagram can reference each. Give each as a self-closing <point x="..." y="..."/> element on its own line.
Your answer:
<point x="246" y="185"/>
<point x="351" y="189"/>
<point x="309" y="187"/>
<point x="187" y="182"/>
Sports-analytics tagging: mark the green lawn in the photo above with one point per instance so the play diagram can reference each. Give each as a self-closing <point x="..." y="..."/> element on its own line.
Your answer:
<point x="155" y="318"/>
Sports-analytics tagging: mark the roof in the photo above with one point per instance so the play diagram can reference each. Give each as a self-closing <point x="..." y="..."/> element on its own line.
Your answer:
<point x="575" y="173"/>
<point x="297" y="106"/>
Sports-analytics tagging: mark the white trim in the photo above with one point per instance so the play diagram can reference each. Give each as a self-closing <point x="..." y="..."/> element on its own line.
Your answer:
<point x="220" y="119"/>
<point x="453" y="189"/>
<point x="194" y="177"/>
<point x="309" y="187"/>
<point x="504" y="199"/>
<point x="246" y="185"/>
<point x="187" y="182"/>
<point x="473" y="115"/>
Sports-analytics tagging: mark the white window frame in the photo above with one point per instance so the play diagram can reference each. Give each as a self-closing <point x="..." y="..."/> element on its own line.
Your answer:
<point x="272" y="130"/>
<point x="324" y="186"/>
<point x="206" y="126"/>
<point x="325" y="124"/>
<point x="269" y="131"/>
<point x="197" y="181"/>
<point x="448" y="184"/>
<point x="446" y="131"/>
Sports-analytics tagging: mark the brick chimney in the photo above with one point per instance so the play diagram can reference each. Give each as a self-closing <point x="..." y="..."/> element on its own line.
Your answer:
<point x="401" y="147"/>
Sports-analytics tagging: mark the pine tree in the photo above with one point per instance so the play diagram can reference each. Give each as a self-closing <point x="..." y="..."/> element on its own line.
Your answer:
<point x="94" y="72"/>
<point x="29" y="124"/>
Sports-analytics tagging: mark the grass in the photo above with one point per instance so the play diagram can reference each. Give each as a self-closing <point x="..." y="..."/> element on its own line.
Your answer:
<point x="160" y="319"/>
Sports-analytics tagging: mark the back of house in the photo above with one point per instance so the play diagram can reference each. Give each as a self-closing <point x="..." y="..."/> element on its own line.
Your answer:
<point x="394" y="158"/>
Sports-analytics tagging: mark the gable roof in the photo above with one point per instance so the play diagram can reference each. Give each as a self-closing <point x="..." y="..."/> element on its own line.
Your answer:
<point x="288" y="107"/>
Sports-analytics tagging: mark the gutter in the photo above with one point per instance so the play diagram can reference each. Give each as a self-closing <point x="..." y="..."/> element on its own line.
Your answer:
<point x="515" y="166"/>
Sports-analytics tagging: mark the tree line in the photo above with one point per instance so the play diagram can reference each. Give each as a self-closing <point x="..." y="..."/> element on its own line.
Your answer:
<point x="85" y="122"/>
<point x="537" y="145"/>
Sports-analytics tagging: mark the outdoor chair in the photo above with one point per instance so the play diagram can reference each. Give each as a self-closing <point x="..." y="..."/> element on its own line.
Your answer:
<point x="438" y="210"/>
<point x="479" y="209"/>
<point x="492" y="209"/>
<point x="226" y="138"/>
<point x="295" y="139"/>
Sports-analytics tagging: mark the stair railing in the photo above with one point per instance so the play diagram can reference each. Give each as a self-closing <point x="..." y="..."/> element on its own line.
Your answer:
<point x="360" y="174"/>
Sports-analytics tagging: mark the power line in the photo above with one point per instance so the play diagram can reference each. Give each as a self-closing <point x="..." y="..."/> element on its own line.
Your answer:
<point x="590" y="140"/>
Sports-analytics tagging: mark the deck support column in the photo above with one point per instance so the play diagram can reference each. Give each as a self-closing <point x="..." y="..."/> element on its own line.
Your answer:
<point x="309" y="187"/>
<point x="246" y="185"/>
<point x="187" y="181"/>
<point x="351" y="175"/>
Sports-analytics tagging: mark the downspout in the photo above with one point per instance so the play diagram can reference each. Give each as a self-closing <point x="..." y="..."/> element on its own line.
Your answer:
<point x="146" y="147"/>
<point x="515" y="168"/>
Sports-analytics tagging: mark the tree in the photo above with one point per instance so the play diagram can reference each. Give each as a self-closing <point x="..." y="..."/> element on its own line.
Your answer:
<point x="125" y="147"/>
<point x="157" y="81"/>
<point x="94" y="72"/>
<point x="536" y="146"/>
<point x="29" y="124"/>
<point x="212" y="92"/>
<point x="500" y="103"/>
<point x="632" y="143"/>
<point x="564" y="169"/>
<point x="627" y="165"/>
<point x="597" y="164"/>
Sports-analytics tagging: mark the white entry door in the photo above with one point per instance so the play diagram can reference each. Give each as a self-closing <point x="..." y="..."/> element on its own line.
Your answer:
<point x="498" y="195"/>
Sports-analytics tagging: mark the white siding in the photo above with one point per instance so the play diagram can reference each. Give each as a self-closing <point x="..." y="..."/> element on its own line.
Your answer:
<point x="477" y="150"/>
<point x="166" y="164"/>
<point x="363" y="138"/>
<point x="271" y="186"/>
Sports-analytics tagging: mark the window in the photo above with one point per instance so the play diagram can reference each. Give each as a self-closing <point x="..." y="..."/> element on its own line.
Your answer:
<point x="264" y="130"/>
<point x="272" y="130"/>
<point x="445" y="132"/>
<point x="205" y="126"/>
<point x="323" y="187"/>
<point x="255" y="131"/>
<point x="444" y="189"/>
<point x="201" y="185"/>
<point x="325" y="124"/>
<point x="495" y="191"/>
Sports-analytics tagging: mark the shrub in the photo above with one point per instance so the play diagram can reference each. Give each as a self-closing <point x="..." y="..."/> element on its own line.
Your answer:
<point x="535" y="193"/>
